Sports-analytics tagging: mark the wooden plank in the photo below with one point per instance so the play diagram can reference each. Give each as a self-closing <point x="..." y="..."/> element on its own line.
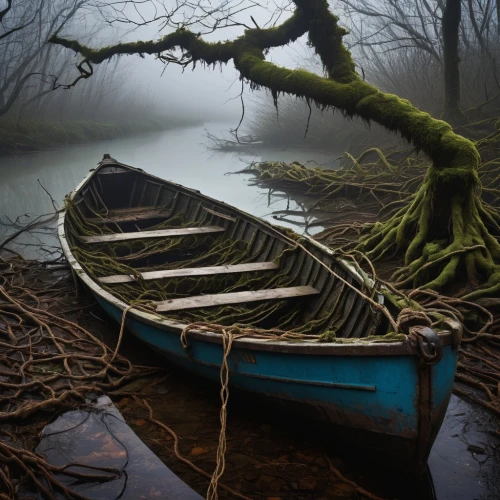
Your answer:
<point x="162" y="233"/>
<point x="220" y="299"/>
<point x="192" y="271"/>
<point x="132" y="210"/>
<point x="218" y="214"/>
<point x="151" y="212"/>
<point x="130" y="216"/>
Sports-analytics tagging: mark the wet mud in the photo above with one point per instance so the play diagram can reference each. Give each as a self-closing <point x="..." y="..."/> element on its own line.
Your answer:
<point x="273" y="455"/>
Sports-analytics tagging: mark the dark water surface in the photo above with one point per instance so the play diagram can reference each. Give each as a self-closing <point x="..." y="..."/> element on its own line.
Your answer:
<point x="98" y="437"/>
<point x="465" y="459"/>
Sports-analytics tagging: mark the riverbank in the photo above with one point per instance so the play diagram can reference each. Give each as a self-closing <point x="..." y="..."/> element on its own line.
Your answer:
<point x="270" y="454"/>
<point x="31" y="135"/>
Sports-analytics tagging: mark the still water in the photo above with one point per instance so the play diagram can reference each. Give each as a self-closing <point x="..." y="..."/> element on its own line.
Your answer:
<point x="179" y="155"/>
<point x="463" y="461"/>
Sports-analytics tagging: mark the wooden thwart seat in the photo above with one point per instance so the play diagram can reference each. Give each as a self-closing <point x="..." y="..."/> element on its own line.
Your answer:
<point x="131" y="215"/>
<point x="162" y="233"/>
<point x="199" y="301"/>
<point x="122" y="215"/>
<point x="191" y="271"/>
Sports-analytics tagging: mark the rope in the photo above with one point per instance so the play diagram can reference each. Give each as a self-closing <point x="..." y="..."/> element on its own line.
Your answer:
<point x="227" y="342"/>
<point x="239" y="332"/>
<point x="408" y="318"/>
<point x="122" y="329"/>
<point x="142" y="307"/>
<point x="378" y="306"/>
<point x="177" y="452"/>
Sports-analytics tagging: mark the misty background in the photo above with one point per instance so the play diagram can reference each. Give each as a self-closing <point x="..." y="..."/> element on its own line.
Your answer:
<point x="397" y="46"/>
<point x="33" y="72"/>
<point x="159" y="115"/>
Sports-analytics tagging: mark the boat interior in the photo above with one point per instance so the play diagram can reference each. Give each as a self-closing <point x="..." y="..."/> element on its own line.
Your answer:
<point x="191" y="258"/>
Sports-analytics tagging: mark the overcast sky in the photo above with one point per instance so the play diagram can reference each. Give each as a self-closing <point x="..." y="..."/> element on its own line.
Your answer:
<point x="203" y="92"/>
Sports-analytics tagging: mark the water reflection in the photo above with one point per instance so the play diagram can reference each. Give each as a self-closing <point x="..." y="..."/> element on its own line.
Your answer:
<point x="100" y="438"/>
<point x="465" y="457"/>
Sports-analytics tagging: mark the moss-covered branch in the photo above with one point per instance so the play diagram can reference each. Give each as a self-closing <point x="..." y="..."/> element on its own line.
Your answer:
<point x="326" y="37"/>
<point x="446" y="214"/>
<point x="197" y="48"/>
<point x="344" y="89"/>
<point x="210" y="53"/>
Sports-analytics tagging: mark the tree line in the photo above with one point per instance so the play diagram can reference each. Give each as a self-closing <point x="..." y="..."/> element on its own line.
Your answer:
<point x="33" y="72"/>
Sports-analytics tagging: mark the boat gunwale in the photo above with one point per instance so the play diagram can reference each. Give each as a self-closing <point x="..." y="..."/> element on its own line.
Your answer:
<point x="348" y="347"/>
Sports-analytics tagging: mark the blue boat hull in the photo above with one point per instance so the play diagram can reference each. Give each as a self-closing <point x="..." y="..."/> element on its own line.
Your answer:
<point x="390" y="396"/>
<point x="390" y="403"/>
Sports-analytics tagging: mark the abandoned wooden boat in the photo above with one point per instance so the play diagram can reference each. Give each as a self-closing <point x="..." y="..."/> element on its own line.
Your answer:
<point x="181" y="258"/>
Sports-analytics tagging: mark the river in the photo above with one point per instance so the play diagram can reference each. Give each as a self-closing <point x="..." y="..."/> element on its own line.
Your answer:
<point x="459" y="470"/>
<point x="179" y="155"/>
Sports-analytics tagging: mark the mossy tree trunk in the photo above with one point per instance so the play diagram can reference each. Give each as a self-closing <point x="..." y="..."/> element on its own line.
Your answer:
<point x="445" y="230"/>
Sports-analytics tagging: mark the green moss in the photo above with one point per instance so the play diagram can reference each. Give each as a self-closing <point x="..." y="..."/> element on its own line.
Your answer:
<point x="344" y="89"/>
<point x="210" y="53"/>
<point x="326" y="37"/>
<point x="328" y="336"/>
<point x="453" y="172"/>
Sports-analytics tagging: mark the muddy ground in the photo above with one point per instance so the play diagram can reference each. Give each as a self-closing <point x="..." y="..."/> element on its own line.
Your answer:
<point x="273" y="455"/>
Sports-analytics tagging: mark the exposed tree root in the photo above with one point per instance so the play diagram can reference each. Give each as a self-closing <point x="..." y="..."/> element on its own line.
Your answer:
<point x="447" y="236"/>
<point x="441" y="248"/>
<point x="381" y="185"/>
<point x="47" y="362"/>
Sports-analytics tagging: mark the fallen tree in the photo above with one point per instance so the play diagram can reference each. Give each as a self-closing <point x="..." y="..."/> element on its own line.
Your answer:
<point x="445" y="230"/>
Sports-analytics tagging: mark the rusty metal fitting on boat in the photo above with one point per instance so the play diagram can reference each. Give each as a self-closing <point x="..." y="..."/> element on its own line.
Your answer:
<point x="426" y="344"/>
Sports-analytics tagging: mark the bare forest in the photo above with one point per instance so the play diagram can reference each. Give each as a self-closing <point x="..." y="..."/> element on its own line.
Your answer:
<point x="404" y="48"/>
<point x="34" y="97"/>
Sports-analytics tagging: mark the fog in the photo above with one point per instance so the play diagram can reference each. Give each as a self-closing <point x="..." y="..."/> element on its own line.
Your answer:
<point x="33" y="72"/>
<point x="209" y="93"/>
<point x="129" y="88"/>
